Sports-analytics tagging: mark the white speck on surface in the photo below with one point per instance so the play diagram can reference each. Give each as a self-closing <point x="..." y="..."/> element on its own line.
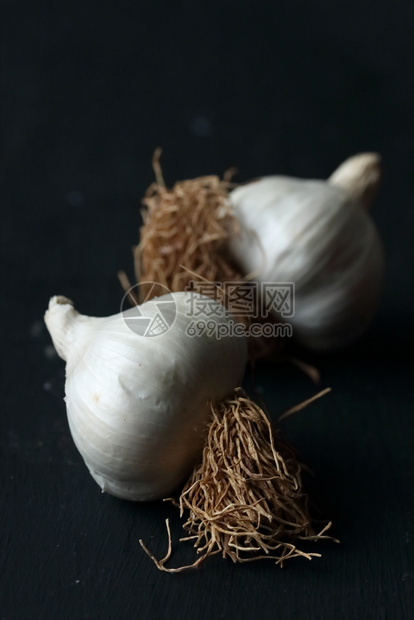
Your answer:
<point x="200" y="126"/>
<point x="47" y="386"/>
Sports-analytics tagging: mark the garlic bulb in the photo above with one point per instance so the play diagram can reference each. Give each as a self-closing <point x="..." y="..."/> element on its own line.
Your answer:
<point x="138" y="406"/>
<point x="319" y="236"/>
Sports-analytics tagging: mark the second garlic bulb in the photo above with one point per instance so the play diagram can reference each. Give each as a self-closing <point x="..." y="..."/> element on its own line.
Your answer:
<point x="318" y="235"/>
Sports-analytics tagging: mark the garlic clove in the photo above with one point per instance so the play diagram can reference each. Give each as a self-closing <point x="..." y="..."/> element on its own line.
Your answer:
<point x="138" y="406"/>
<point x="360" y="176"/>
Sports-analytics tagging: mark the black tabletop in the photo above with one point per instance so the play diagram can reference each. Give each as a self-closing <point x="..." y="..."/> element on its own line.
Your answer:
<point x="89" y="90"/>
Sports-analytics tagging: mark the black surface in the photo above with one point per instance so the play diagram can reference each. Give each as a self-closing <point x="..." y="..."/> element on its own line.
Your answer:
<point x="89" y="89"/>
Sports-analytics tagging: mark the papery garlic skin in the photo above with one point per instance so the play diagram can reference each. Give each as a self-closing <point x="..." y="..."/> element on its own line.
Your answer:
<point x="318" y="235"/>
<point x="138" y="406"/>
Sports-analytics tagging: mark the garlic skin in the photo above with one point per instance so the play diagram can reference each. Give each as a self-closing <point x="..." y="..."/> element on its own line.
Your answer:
<point x="318" y="235"/>
<point x="360" y="177"/>
<point x="138" y="406"/>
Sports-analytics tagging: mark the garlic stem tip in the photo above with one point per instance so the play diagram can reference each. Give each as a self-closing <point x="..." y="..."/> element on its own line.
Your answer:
<point x="59" y="300"/>
<point x="360" y="176"/>
<point x="60" y="319"/>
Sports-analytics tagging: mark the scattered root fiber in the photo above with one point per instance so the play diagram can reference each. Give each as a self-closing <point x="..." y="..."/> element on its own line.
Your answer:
<point x="245" y="500"/>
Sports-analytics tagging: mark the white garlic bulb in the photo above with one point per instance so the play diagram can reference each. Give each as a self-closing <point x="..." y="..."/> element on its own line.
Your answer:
<point x="319" y="236"/>
<point x="138" y="406"/>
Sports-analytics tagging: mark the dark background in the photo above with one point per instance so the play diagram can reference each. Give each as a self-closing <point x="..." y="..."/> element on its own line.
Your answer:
<point x="89" y="90"/>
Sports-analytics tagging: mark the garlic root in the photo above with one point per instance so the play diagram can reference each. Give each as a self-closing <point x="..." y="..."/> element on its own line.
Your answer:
<point x="245" y="499"/>
<point x="185" y="231"/>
